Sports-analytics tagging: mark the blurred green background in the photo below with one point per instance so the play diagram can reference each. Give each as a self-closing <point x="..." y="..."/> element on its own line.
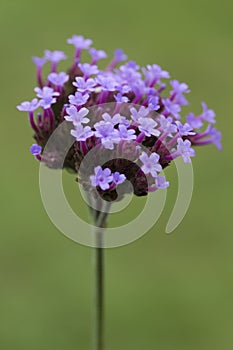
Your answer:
<point x="164" y="292"/>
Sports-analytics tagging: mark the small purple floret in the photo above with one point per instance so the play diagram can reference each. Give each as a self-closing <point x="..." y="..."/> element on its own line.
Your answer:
<point x="97" y="54"/>
<point x="161" y="183"/>
<point x="54" y="56"/>
<point x="35" y="149"/>
<point x="150" y="164"/>
<point x="118" y="178"/>
<point x="39" y="61"/>
<point x="83" y="85"/>
<point x="28" y="106"/>
<point x="76" y="116"/>
<point x="58" y="79"/>
<point x="78" y="99"/>
<point x="79" y="42"/>
<point x="102" y="178"/>
<point x="185" y="150"/>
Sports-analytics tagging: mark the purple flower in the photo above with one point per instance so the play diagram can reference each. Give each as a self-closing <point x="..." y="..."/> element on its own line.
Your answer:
<point x="177" y="93"/>
<point x="141" y="113"/>
<point x="119" y="55"/>
<point x="147" y="126"/>
<point x="82" y="133"/>
<point x="78" y="99"/>
<point x="184" y="129"/>
<point x="171" y="108"/>
<point x="179" y="88"/>
<point x="215" y="137"/>
<point x="133" y="65"/>
<point x="118" y="178"/>
<point x="185" y="150"/>
<point x="153" y="103"/>
<point x="123" y="89"/>
<point x="207" y="114"/>
<point x="58" y="79"/>
<point x="106" y="82"/>
<point x="39" y="61"/>
<point x="35" y="149"/>
<point x="126" y="134"/>
<point x="28" y="106"/>
<point x="128" y="75"/>
<point x="167" y="125"/>
<point x="102" y="178"/>
<point x="88" y="69"/>
<point x="161" y="183"/>
<point x="150" y="164"/>
<point x="153" y="73"/>
<point x="46" y="94"/>
<point x="194" y="122"/>
<point x="54" y="56"/>
<point x="84" y="85"/>
<point x="138" y="87"/>
<point x="127" y="130"/>
<point x="116" y="119"/>
<point x="121" y="99"/>
<point x="97" y="54"/>
<point x="79" y="42"/>
<point x="107" y="134"/>
<point x="76" y="116"/>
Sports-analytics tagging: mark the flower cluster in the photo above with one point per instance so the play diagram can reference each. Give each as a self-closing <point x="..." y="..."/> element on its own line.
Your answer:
<point x="144" y="122"/>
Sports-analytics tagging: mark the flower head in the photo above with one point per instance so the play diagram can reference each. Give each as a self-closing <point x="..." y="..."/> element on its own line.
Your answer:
<point x="131" y="115"/>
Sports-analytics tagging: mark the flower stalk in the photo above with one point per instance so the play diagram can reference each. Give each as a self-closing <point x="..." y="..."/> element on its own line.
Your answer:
<point x="99" y="219"/>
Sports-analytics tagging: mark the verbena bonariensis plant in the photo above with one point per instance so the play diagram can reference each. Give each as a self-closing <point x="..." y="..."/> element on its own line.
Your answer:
<point x="142" y="117"/>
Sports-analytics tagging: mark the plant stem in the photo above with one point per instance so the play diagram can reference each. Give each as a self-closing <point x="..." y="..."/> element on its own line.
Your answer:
<point x="100" y="222"/>
<point x="99" y="297"/>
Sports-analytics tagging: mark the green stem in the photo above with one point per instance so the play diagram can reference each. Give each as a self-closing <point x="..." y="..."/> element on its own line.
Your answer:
<point x="99" y="298"/>
<point x="100" y="223"/>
